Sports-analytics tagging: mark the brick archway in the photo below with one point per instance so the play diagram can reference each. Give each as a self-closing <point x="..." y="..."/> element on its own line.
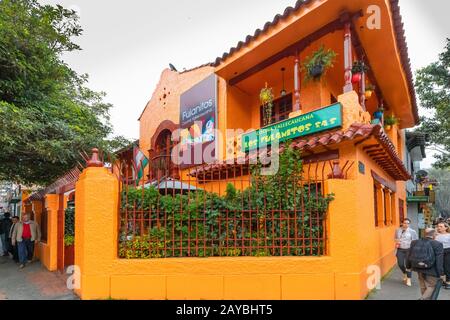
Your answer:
<point x="165" y="125"/>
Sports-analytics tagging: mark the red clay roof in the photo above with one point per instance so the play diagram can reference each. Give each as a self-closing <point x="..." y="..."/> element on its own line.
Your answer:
<point x="389" y="161"/>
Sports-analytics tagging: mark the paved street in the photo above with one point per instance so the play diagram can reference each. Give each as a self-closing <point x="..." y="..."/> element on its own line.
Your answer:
<point x="33" y="282"/>
<point x="392" y="288"/>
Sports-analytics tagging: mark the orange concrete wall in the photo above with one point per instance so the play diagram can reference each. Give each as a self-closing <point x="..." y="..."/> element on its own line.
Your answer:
<point x="376" y="244"/>
<point x="103" y="275"/>
<point x="37" y="209"/>
<point x="48" y="250"/>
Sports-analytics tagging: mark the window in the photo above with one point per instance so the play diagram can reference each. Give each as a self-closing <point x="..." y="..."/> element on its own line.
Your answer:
<point x="385" y="206"/>
<point x="375" y="203"/>
<point x="333" y="99"/>
<point x="393" y="211"/>
<point x="401" y="210"/>
<point x="281" y="109"/>
<point x="44" y="225"/>
<point x="160" y="162"/>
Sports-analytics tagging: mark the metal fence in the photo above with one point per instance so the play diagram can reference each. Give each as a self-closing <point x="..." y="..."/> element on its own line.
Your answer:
<point x="221" y="211"/>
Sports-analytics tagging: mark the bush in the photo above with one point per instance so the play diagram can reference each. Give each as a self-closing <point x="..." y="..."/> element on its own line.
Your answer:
<point x="276" y="215"/>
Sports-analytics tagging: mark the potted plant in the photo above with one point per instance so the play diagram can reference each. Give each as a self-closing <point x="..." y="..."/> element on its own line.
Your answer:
<point x="359" y="67"/>
<point x="390" y="121"/>
<point x="266" y="98"/>
<point x="316" y="65"/>
<point x="379" y="113"/>
<point x="369" y="91"/>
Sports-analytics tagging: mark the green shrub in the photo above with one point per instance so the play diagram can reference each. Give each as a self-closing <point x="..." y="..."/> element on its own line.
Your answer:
<point x="205" y="224"/>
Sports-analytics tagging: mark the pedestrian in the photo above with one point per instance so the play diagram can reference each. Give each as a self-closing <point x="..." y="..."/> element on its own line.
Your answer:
<point x="6" y="226"/>
<point x="426" y="257"/>
<point x="26" y="234"/>
<point x="14" y="248"/>
<point x="403" y="237"/>
<point x="2" y="239"/>
<point x="443" y="237"/>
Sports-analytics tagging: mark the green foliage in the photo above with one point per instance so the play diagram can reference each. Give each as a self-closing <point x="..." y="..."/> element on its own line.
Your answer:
<point x="321" y="57"/>
<point x="266" y="97"/>
<point x="390" y="120"/>
<point x="69" y="240"/>
<point x="442" y="204"/>
<point x="359" y="67"/>
<point x="206" y="224"/>
<point x="69" y="221"/>
<point x="433" y="88"/>
<point x="47" y="114"/>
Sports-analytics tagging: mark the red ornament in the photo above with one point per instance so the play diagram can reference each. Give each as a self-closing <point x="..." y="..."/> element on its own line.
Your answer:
<point x="356" y="78"/>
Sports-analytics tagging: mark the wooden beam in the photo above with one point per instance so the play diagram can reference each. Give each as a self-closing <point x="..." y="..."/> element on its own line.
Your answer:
<point x="371" y="146"/>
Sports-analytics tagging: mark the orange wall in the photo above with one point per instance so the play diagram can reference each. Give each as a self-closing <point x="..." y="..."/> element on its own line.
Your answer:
<point x="48" y="250"/>
<point x="37" y="209"/>
<point x="103" y="275"/>
<point x="354" y="244"/>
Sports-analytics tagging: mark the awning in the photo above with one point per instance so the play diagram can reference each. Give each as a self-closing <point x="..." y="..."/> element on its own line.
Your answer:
<point x="172" y="184"/>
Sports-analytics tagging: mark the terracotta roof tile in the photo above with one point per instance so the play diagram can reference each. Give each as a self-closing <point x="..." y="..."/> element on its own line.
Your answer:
<point x="391" y="161"/>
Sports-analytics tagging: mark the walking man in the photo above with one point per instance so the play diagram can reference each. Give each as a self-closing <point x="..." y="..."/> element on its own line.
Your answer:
<point x="403" y="238"/>
<point x="426" y="257"/>
<point x="3" y="238"/>
<point x="26" y="234"/>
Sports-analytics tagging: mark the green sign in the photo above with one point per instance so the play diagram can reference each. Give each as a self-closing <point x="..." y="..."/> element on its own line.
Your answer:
<point x="418" y="199"/>
<point x="304" y="125"/>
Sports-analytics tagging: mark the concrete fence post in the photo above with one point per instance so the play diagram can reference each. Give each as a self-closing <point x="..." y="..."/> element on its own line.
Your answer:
<point x="96" y="207"/>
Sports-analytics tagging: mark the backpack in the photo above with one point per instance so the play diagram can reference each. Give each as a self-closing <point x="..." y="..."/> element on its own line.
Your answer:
<point x="422" y="255"/>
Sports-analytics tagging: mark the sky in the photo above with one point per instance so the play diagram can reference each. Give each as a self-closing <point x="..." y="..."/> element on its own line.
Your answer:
<point x="127" y="44"/>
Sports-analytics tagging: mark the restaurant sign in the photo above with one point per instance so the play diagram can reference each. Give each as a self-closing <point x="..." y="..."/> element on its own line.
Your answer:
<point x="307" y="124"/>
<point x="198" y="123"/>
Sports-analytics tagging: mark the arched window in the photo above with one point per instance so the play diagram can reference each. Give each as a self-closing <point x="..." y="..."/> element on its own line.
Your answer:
<point x="161" y="159"/>
<point x="164" y="143"/>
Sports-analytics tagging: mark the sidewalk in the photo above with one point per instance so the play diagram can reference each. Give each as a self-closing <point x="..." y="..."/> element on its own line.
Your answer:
<point x="392" y="288"/>
<point x="33" y="282"/>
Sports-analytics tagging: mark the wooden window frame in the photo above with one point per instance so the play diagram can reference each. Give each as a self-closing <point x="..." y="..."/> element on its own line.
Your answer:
<point x="276" y="115"/>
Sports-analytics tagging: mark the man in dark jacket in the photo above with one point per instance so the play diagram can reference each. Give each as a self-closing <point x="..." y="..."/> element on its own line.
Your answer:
<point x="6" y="226"/>
<point x="428" y="278"/>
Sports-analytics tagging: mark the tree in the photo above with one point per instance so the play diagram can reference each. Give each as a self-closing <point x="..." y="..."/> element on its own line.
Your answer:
<point x="47" y="113"/>
<point x="442" y="191"/>
<point x="433" y="87"/>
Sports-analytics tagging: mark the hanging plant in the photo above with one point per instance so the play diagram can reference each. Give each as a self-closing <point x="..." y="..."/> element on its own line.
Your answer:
<point x="266" y="98"/>
<point x="359" y="67"/>
<point x="390" y="121"/>
<point x="379" y="113"/>
<point x="317" y="64"/>
<point x="369" y="91"/>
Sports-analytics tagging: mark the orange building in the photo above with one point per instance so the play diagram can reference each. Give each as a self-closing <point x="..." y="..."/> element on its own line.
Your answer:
<point x="366" y="146"/>
<point x="342" y="94"/>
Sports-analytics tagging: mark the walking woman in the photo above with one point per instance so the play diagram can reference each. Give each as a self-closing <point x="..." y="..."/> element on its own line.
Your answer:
<point x="403" y="238"/>
<point x="444" y="238"/>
